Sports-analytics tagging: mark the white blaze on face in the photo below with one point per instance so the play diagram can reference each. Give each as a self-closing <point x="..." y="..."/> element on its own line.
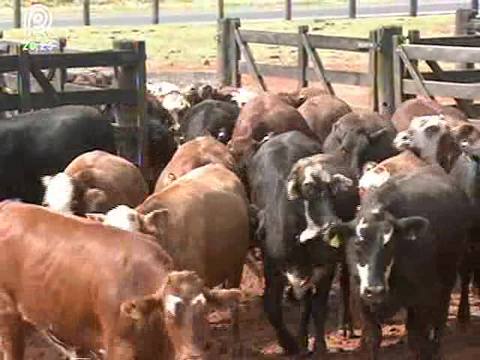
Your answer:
<point x="361" y="226"/>
<point x="123" y="217"/>
<point x="363" y="274"/>
<point x="242" y="96"/>
<point x="59" y="192"/>
<point x="312" y="229"/>
<point x="171" y="302"/>
<point x="373" y="178"/>
<point x="175" y="102"/>
<point x="403" y="140"/>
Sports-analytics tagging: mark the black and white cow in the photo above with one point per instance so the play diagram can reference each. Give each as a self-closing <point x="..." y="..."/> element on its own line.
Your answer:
<point x="43" y="142"/>
<point x="214" y="117"/>
<point x="403" y="249"/>
<point x="282" y="222"/>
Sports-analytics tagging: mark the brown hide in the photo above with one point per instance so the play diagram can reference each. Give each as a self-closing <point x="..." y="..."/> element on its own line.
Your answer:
<point x="321" y="112"/>
<point x="120" y="181"/>
<point x="193" y="154"/>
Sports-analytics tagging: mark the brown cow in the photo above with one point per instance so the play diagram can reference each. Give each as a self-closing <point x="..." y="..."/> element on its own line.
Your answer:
<point x="263" y="115"/>
<point x="321" y="112"/>
<point x="95" y="181"/>
<point x="193" y="154"/>
<point x="423" y="106"/>
<point x="96" y="290"/>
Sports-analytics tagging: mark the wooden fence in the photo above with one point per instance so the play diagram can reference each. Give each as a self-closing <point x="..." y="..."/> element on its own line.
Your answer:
<point x="236" y="58"/>
<point x="40" y="82"/>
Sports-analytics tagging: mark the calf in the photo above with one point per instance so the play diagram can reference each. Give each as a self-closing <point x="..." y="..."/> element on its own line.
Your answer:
<point x="97" y="291"/>
<point x="321" y="112"/>
<point x="362" y="137"/>
<point x="281" y="221"/>
<point x="46" y="141"/>
<point x="193" y="154"/>
<point x="95" y="181"/>
<point x="261" y="116"/>
<point x="403" y="249"/>
<point x="212" y="117"/>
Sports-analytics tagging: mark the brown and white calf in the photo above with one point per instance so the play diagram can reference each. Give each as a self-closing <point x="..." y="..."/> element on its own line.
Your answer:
<point x="94" y="290"/>
<point x="95" y="181"/>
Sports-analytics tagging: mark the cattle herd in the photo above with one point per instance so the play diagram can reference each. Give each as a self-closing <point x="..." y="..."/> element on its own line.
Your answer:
<point x="106" y="265"/>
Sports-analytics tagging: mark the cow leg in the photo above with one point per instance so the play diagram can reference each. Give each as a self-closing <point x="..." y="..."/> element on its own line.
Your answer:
<point x="465" y="273"/>
<point x="274" y="285"/>
<point x="346" y="317"/>
<point x="424" y="332"/>
<point x="234" y="282"/>
<point x="371" y="334"/>
<point x="305" y="320"/>
<point x="320" y="309"/>
<point x="11" y="329"/>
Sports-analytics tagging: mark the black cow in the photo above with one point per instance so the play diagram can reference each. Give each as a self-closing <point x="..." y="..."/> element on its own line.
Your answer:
<point x="44" y="142"/>
<point x="362" y="137"/>
<point x="403" y="250"/>
<point x="281" y="221"/>
<point x="213" y="117"/>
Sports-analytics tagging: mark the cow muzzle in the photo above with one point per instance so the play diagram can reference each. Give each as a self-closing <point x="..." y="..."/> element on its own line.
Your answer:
<point x="402" y="141"/>
<point x="374" y="294"/>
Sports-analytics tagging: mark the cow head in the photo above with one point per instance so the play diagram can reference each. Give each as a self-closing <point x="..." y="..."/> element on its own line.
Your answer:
<point x="126" y="218"/>
<point x="242" y="96"/>
<point x="317" y="184"/>
<point x="180" y="308"/>
<point x="430" y="138"/>
<point x="374" y="176"/>
<point x="358" y="143"/>
<point x="59" y="192"/>
<point x="177" y="105"/>
<point x="468" y="138"/>
<point x="370" y="240"/>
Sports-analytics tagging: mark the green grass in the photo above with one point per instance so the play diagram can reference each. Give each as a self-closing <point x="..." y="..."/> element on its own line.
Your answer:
<point x="191" y="45"/>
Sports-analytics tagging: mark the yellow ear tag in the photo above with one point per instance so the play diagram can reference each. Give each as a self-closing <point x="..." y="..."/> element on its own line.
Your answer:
<point x="335" y="241"/>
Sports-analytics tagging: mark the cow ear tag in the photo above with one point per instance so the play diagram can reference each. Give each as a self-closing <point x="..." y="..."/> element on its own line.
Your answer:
<point x="335" y="241"/>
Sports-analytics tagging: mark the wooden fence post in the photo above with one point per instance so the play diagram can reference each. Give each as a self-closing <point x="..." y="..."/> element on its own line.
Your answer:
<point x="475" y="5"/>
<point x="385" y="69"/>
<point x="141" y="90"/>
<point x="234" y="55"/>
<point x="462" y="18"/>
<point x="156" y="10"/>
<point x="86" y="12"/>
<point x="220" y="9"/>
<point x="17" y="14"/>
<point x="126" y="119"/>
<point x="372" y="69"/>
<point x="398" y="71"/>
<point x="413" y="7"/>
<point x="61" y="73"/>
<point x="288" y="9"/>
<point x="302" y="58"/>
<point x="23" y="79"/>
<point x="224" y="72"/>
<point x="352" y="9"/>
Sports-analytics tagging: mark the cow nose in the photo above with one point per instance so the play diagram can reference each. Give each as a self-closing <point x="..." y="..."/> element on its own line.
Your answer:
<point x="374" y="293"/>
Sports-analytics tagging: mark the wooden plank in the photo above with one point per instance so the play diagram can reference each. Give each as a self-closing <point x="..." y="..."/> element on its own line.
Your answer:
<point x="462" y="19"/>
<point x="413" y="8"/>
<point x="288" y="9"/>
<point x="44" y="83"/>
<point x="435" y="67"/>
<point x="372" y="69"/>
<point x="220" y="9"/>
<point x="155" y="12"/>
<point x="23" y="80"/>
<point x="86" y="12"/>
<point x="318" y="67"/>
<point x="245" y="50"/>
<point x="87" y="59"/>
<point x="224" y="71"/>
<point x="8" y="63"/>
<point x="446" y="89"/>
<point x="302" y="58"/>
<point x="417" y="77"/>
<point x="352" y="9"/>
<point x="234" y="53"/>
<point x="317" y="41"/>
<point x="465" y="41"/>
<point x="460" y="76"/>
<point x="398" y="71"/>
<point x="291" y="72"/>
<point x="143" y="135"/>
<point x="17" y="14"/>
<point x="453" y="54"/>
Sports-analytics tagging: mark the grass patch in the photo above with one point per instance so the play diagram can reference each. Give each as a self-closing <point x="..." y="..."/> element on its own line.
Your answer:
<point x="194" y="46"/>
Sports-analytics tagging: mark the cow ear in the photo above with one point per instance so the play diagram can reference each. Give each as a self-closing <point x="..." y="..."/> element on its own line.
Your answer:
<point x="155" y="222"/>
<point x="222" y="298"/>
<point x="432" y="130"/>
<point x="338" y="234"/>
<point x="340" y="183"/>
<point x="462" y="132"/>
<point x="376" y="135"/>
<point x="96" y="199"/>
<point x="96" y="217"/>
<point x="139" y="309"/>
<point x="413" y="227"/>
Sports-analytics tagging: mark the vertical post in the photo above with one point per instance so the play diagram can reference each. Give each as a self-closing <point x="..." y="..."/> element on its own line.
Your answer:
<point x="385" y="68"/>
<point x="372" y="69"/>
<point x="302" y="58"/>
<point x="127" y="122"/>
<point x="143" y="135"/>
<point x="288" y="9"/>
<point x="234" y="55"/>
<point x="17" y="14"/>
<point x="86" y="12"/>
<point x="352" y="9"/>
<point x="23" y="79"/>
<point x="475" y="5"/>
<point x="220" y="9"/>
<point x="224" y="72"/>
<point x="462" y="18"/>
<point x="156" y="10"/>
<point x="413" y="7"/>
<point x="398" y="70"/>
<point x="61" y="73"/>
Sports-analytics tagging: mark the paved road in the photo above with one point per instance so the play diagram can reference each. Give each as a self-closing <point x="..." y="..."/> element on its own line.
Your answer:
<point x="171" y="17"/>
